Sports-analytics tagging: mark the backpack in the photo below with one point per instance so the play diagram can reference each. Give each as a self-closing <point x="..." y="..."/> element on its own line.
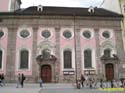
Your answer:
<point x="24" y="78"/>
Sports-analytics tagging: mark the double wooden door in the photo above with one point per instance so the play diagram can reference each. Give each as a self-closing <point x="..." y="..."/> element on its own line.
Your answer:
<point x="46" y="73"/>
<point x="109" y="68"/>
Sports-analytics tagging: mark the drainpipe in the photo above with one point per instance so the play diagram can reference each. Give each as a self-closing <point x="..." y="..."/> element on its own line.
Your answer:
<point x="76" y="80"/>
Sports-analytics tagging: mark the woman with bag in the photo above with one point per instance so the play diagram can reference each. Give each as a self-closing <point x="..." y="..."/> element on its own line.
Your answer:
<point x="22" y="80"/>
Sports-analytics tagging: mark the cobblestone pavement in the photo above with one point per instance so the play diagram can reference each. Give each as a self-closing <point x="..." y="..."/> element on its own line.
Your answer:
<point x="49" y="88"/>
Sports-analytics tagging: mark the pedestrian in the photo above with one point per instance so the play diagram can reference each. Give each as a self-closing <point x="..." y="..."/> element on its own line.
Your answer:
<point x="40" y="82"/>
<point x="82" y="80"/>
<point x="101" y="83"/>
<point x="124" y="84"/>
<point x="22" y="80"/>
<point x="3" y="79"/>
<point x="78" y="84"/>
<point x="18" y="80"/>
<point x="86" y="80"/>
<point x="0" y="81"/>
<point x="112" y="86"/>
<point x="90" y="83"/>
<point x="119" y="83"/>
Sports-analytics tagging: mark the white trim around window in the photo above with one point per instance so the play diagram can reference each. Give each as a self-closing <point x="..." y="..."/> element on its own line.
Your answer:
<point x="62" y="59"/>
<point x="29" y="29"/>
<point x="3" y="54"/>
<point x="111" y="48"/>
<point x="90" y="30"/>
<point x="67" y="29"/>
<point x="5" y="31"/>
<point x="93" y="58"/>
<point x="110" y="31"/>
<point x="18" y="60"/>
<point x="51" y="30"/>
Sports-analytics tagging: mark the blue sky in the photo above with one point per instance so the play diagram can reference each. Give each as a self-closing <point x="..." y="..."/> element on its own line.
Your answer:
<point x="67" y="3"/>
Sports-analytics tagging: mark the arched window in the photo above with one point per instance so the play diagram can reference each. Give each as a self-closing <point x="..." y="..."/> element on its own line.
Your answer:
<point x="24" y="59"/>
<point x="1" y="54"/>
<point x="88" y="58"/>
<point x="107" y="53"/>
<point x="67" y="59"/>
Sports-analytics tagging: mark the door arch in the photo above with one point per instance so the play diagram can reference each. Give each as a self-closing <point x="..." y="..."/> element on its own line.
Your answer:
<point x="109" y="71"/>
<point x="46" y="73"/>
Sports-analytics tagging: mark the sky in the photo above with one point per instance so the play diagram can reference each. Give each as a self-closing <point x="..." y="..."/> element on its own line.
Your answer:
<point x="67" y="3"/>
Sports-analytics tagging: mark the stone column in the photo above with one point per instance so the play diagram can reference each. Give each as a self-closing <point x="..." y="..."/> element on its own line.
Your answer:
<point x="116" y="70"/>
<point x="35" y="66"/>
<point x="11" y="53"/>
<point x="98" y="61"/>
<point x="57" y="52"/>
<point x="78" y="61"/>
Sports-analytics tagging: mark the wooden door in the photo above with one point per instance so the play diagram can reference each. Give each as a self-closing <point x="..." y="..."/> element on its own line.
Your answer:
<point x="109" y="68"/>
<point x="46" y="73"/>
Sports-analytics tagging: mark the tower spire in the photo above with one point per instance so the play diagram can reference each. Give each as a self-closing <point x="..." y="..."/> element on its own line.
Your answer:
<point x="112" y="5"/>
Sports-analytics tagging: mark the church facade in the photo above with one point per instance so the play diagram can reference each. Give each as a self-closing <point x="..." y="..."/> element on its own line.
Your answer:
<point x="59" y="44"/>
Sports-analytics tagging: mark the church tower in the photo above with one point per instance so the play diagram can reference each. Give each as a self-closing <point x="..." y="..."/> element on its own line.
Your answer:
<point x="9" y="5"/>
<point x="112" y="5"/>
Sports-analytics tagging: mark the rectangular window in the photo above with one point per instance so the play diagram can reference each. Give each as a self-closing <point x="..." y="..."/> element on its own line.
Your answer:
<point x="87" y="59"/>
<point x="67" y="59"/>
<point x="24" y="59"/>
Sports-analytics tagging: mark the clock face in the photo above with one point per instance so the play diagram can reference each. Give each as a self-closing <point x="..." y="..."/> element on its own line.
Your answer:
<point x="24" y="33"/>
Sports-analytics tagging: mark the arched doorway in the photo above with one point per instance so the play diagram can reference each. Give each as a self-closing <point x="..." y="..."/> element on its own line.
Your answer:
<point x="109" y="71"/>
<point x="46" y="73"/>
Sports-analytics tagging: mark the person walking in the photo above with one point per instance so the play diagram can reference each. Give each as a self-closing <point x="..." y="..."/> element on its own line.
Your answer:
<point x="22" y="80"/>
<point x="124" y="84"/>
<point x="0" y="81"/>
<point x="3" y="79"/>
<point x="40" y="82"/>
<point x="82" y="80"/>
<point x="18" y="80"/>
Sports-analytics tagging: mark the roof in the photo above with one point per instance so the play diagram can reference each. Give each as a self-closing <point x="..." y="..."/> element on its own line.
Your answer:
<point x="64" y="11"/>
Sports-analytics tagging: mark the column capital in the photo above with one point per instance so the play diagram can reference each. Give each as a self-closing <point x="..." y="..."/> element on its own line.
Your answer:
<point x="35" y="28"/>
<point x="96" y="29"/>
<point x="77" y="29"/>
<point x="57" y="28"/>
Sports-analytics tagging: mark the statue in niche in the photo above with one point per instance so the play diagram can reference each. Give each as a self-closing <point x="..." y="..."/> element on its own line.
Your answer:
<point x="46" y="54"/>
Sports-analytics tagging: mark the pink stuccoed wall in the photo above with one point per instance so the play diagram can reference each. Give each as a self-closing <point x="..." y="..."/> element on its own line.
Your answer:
<point x="3" y="45"/>
<point x="88" y="43"/>
<point x="66" y="42"/>
<point x="4" y="5"/>
<point x="84" y="43"/>
<point x="102" y="39"/>
<point x="25" y="43"/>
<point x="40" y="39"/>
